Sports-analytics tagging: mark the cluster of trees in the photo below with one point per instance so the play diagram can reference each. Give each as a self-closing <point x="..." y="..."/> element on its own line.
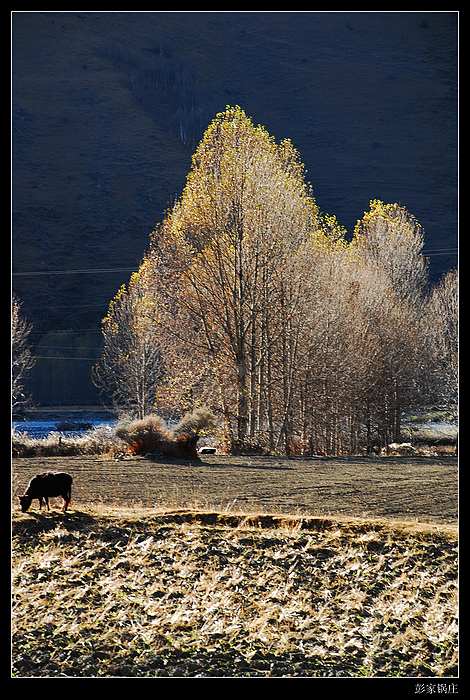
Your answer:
<point x="252" y="302"/>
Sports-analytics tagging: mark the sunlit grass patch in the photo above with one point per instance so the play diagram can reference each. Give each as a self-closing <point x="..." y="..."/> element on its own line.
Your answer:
<point x="206" y="593"/>
<point x="99" y="440"/>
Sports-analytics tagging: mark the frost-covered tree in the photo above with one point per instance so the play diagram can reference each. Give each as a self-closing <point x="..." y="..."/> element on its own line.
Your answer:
<point x="441" y="331"/>
<point x="130" y="367"/>
<point x="22" y="359"/>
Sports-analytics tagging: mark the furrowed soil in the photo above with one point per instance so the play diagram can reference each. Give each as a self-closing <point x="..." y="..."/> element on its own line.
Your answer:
<point x="126" y="584"/>
<point x="394" y="487"/>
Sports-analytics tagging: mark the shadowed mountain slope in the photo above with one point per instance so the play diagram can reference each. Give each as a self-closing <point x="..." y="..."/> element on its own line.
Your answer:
<point x="108" y="108"/>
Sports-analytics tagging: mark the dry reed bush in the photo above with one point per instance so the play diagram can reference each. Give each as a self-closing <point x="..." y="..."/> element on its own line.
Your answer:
<point x="99" y="440"/>
<point x="445" y="450"/>
<point x="151" y="434"/>
<point x="198" y="420"/>
<point x="106" y="596"/>
<point x="144" y="434"/>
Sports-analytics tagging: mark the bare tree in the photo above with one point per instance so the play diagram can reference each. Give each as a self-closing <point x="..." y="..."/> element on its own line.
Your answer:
<point x="21" y="358"/>
<point x="234" y="240"/>
<point x="391" y="238"/>
<point x="441" y="334"/>
<point x="130" y="367"/>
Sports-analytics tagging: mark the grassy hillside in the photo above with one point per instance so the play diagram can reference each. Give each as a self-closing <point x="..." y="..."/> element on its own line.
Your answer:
<point x="128" y="594"/>
<point x="108" y="108"/>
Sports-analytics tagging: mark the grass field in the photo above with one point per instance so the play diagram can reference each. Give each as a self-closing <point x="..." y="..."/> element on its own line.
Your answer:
<point x="132" y="585"/>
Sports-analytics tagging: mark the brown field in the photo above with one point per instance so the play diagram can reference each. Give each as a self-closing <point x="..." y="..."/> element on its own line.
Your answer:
<point x="179" y="570"/>
<point x="120" y="592"/>
<point x="423" y="489"/>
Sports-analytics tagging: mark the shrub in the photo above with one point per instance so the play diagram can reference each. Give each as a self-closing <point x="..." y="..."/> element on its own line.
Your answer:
<point x="137" y="436"/>
<point x="198" y="420"/>
<point x="144" y="434"/>
<point x="152" y="435"/>
<point x="250" y="447"/>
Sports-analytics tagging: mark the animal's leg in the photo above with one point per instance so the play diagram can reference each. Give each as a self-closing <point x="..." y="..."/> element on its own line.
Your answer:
<point x="46" y="498"/>
<point x="66" y="502"/>
<point x="40" y="502"/>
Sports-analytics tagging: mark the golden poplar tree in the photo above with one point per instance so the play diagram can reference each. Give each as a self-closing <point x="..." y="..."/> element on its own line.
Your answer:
<point x="255" y="304"/>
<point x="240" y="233"/>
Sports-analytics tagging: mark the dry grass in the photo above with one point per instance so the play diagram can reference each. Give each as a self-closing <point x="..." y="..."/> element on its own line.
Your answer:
<point x="152" y="428"/>
<point x="99" y="440"/>
<point x="133" y="592"/>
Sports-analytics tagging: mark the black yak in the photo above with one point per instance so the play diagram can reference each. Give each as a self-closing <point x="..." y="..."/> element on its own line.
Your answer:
<point x="44" y="485"/>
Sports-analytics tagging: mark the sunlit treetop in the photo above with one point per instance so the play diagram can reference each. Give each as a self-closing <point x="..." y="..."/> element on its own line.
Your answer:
<point x="329" y="233"/>
<point x="238" y="171"/>
<point x="107" y="320"/>
<point x="389" y="219"/>
<point x="135" y="295"/>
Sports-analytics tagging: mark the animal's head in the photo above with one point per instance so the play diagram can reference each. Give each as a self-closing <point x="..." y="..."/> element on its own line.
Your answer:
<point x="25" y="502"/>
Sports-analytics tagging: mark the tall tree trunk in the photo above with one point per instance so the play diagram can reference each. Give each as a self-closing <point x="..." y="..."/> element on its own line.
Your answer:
<point x="369" y="443"/>
<point x="242" y="401"/>
<point x="397" y="410"/>
<point x="253" y="380"/>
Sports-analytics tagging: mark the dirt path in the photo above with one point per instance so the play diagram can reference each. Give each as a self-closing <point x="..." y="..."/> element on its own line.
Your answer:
<point x="396" y="487"/>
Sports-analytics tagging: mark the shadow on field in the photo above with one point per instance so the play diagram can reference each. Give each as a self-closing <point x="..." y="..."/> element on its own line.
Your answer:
<point x="231" y="663"/>
<point x="27" y="528"/>
<point x="76" y="521"/>
<point x="224" y="663"/>
<point x="249" y="464"/>
<point x="35" y="523"/>
<point x="379" y="461"/>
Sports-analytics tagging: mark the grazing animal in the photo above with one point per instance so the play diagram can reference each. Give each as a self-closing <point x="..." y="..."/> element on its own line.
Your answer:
<point x="43" y="486"/>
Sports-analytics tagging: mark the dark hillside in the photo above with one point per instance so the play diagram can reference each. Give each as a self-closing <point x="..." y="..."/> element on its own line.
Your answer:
<point x="108" y="107"/>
